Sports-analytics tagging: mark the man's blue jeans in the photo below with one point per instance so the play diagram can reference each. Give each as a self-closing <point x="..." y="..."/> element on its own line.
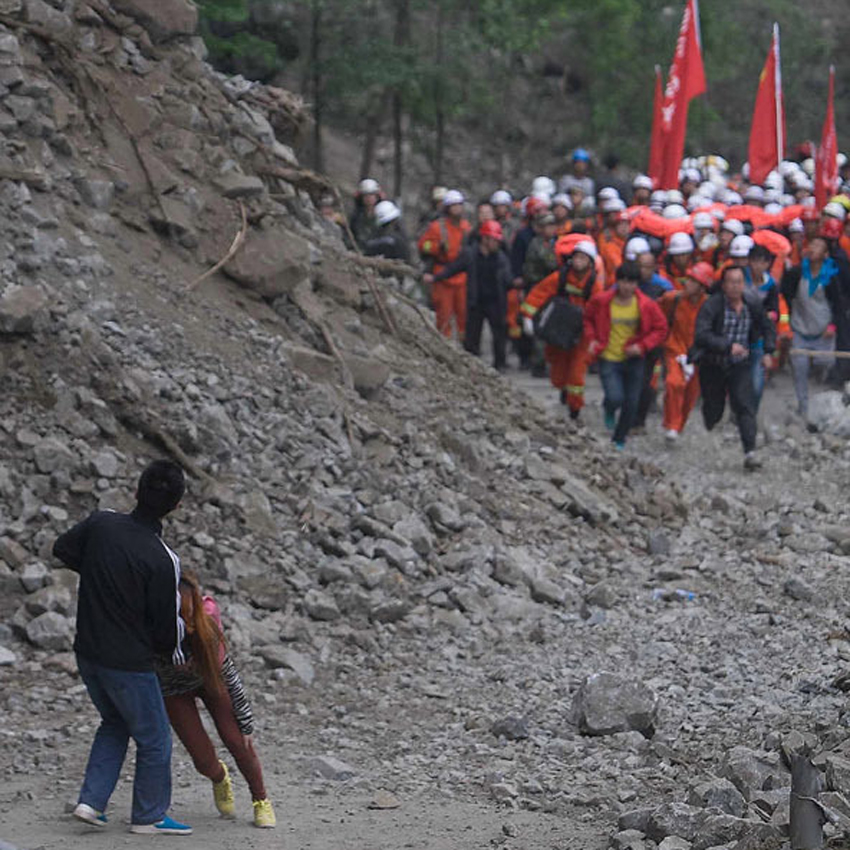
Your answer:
<point x="130" y="706"/>
<point x="622" y="383"/>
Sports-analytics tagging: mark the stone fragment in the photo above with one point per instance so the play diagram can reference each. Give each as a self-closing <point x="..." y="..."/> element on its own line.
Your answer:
<point x="332" y="768"/>
<point x="50" y="631"/>
<point x="272" y="262"/>
<point x="277" y="657"/>
<point x="511" y="727"/>
<point x="676" y="819"/>
<point x="607" y="703"/>
<point x="628" y="839"/>
<point x="719" y="794"/>
<point x="23" y="310"/>
<point x="233" y="185"/>
<point x="384" y="800"/>
<point x="673" y="842"/>
<point x="320" y="606"/>
<point x="389" y="611"/>
<point x="163" y="19"/>
<point x="34" y="576"/>
<point x="798" y="589"/>
<point x="7" y="657"/>
<point x="52" y="455"/>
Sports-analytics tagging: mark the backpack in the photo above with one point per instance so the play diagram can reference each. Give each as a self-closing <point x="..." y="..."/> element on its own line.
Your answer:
<point x="559" y="322"/>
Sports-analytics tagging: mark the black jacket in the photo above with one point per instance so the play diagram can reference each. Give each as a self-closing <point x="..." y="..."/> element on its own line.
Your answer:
<point x="709" y="339"/>
<point x="480" y="287"/>
<point x="127" y="609"/>
<point x="834" y="290"/>
<point x="390" y="242"/>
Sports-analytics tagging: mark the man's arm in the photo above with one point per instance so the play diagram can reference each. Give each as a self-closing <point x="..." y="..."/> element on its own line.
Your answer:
<point x="69" y="546"/>
<point x="704" y="336"/>
<point x="163" y="607"/>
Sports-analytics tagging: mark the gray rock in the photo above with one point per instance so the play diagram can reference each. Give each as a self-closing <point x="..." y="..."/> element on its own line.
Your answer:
<point x="828" y="413"/>
<point x="34" y="576"/>
<point x="507" y="571"/>
<point x="602" y="595"/>
<point x="7" y="657"/>
<point x="233" y="185"/>
<point x="838" y="774"/>
<point x="444" y="517"/>
<point x="628" y="839"/>
<point x="389" y="611"/>
<point x="23" y="310"/>
<point x="673" y="842"/>
<point x="320" y="606"/>
<point x="273" y="262"/>
<point x="50" y="631"/>
<point x="543" y="590"/>
<point x="751" y="770"/>
<point x="277" y="657"/>
<point x="719" y="794"/>
<point x="511" y="727"/>
<point x="798" y="589"/>
<point x="720" y="829"/>
<point x="635" y="819"/>
<point x="332" y="768"/>
<point x="658" y="543"/>
<point x="676" y="819"/>
<point x="607" y="703"/>
<point x="105" y="464"/>
<point x="97" y="194"/>
<point x="413" y="529"/>
<point x="163" y="19"/>
<point x="52" y="455"/>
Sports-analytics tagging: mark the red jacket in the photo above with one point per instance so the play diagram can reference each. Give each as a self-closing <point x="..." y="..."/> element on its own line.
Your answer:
<point x="652" y="330"/>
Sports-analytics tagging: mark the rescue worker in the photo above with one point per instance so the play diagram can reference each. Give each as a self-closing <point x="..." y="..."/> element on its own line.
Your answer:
<point x="739" y="253"/>
<point x="488" y="278"/>
<point x="612" y="243"/>
<point x="641" y="190"/>
<point x="390" y="239"/>
<point x="363" y="225"/>
<point x="576" y="278"/>
<point x="439" y="245"/>
<point x="580" y="178"/>
<point x="540" y="259"/>
<point x="705" y="239"/>
<point x="795" y="235"/>
<point x="621" y="325"/>
<point x="502" y="204"/>
<point x="728" y="325"/>
<point x="730" y="228"/>
<point x="562" y="208"/>
<point x="759" y="282"/>
<point x="681" y="382"/>
<point x="815" y="294"/>
<point x="680" y="251"/>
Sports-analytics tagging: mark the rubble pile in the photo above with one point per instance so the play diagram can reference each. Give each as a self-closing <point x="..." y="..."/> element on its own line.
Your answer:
<point x="430" y="584"/>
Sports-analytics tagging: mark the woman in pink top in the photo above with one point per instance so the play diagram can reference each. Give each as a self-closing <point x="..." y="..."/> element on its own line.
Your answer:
<point x="211" y="675"/>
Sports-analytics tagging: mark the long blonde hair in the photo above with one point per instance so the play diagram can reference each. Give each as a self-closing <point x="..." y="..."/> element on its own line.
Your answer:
<point x="205" y="637"/>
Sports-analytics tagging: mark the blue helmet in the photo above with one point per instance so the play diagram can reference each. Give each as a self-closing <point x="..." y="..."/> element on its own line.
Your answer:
<point x="581" y="155"/>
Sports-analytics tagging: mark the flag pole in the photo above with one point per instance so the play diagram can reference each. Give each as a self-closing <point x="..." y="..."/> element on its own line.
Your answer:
<point x="780" y="141"/>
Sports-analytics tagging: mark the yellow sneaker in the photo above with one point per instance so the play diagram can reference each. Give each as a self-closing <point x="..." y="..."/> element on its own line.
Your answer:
<point x="223" y="794"/>
<point x="264" y="814"/>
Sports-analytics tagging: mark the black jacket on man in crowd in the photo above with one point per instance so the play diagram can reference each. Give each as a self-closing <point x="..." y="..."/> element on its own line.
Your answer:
<point x="710" y="344"/>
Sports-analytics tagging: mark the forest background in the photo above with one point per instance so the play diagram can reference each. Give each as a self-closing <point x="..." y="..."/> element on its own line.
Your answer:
<point x="480" y="93"/>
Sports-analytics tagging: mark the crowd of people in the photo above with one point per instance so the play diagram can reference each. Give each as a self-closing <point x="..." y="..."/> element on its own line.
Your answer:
<point x="149" y="645"/>
<point x="707" y="289"/>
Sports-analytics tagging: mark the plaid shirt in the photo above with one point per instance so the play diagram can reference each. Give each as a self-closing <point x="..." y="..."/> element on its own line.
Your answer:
<point x="736" y="329"/>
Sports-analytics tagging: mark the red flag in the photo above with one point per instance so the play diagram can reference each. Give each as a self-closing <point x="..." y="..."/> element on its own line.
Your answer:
<point x="826" y="164"/>
<point x="685" y="81"/>
<point x="767" y="134"/>
<point x="656" y="142"/>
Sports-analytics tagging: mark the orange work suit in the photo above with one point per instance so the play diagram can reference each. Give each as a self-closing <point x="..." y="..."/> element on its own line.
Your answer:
<point x="611" y="249"/>
<point x="567" y="369"/>
<point x="442" y="242"/>
<point x="680" y="395"/>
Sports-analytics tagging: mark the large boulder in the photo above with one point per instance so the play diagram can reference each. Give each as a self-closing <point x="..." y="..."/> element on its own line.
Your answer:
<point x="23" y="309"/>
<point x="272" y="263"/>
<point x="607" y="703"/>
<point x="163" y="19"/>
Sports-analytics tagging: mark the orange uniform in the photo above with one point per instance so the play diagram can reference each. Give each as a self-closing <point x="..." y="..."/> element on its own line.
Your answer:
<point x="611" y="249"/>
<point x="680" y="394"/>
<point x="442" y="241"/>
<point x="567" y="368"/>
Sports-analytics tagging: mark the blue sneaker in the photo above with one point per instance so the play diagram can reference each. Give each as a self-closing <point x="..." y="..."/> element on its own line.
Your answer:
<point x="619" y="446"/>
<point x="89" y="815"/>
<point x="610" y="421"/>
<point x="166" y="826"/>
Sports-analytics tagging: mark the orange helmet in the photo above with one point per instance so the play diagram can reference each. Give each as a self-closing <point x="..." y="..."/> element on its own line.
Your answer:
<point x="702" y="272"/>
<point x="491" y="228"/>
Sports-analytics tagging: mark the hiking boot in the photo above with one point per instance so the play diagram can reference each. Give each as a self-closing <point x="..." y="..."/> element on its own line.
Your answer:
<point x="618" y="446"/>
<point x="264" y="814"/>
<point x="223" y="795"/>
<point x="751" y="462"/>
<point x="610" y="420"/>
<point x="89" y="815"/>
<point x="166" y="826"/>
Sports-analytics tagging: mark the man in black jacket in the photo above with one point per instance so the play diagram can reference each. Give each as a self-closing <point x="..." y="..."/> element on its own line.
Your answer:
<point x="728" y="326"/>
<point x="488" y="278"/>
<point x="127" y="613"/>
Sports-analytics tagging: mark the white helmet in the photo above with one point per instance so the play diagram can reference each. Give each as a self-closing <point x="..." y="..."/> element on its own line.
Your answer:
<point x="732" y="199"/>
<point x="772" y="196"/>
<point x="613" y="205"/>
<point x="368" y="186"/>
<point x="787" y="200"/>
<point x="704" y="221"/>
<point x="674" y="211"/>
<point x="607" y="193"/>
<point x="733" y="225"/>
<point x="501" y="198"/>
<point x="642" y="182"/>
<point x="773" y="208"/>
<point x="834" y="210"/>
<point x="741" y="246"/>
<point x="788" y="167"/>
<point x="691" y="175"/>
<point x="659" y="196"/>
<point x="841" y="159"/>
<point x="680" y="243"/>
<point x="695" y="202"/>
<point x="808" y="165"/>
<point x="385" y="212"/>
<point x="754" y="193"/>
<point x="586" y="246"/>
<point x="708" y="189"/>
<point x="452" y="197"/>
<point x="563" y="200"/>
<point x="636" y="246"/>
<point x="543" y="184"/>
<point x="674" y="196"/>
<point x="796" y="226"/>
<point x="774" y="181"/>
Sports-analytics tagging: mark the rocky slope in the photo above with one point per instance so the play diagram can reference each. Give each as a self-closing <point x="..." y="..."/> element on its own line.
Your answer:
<point x="419" y="566"/>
